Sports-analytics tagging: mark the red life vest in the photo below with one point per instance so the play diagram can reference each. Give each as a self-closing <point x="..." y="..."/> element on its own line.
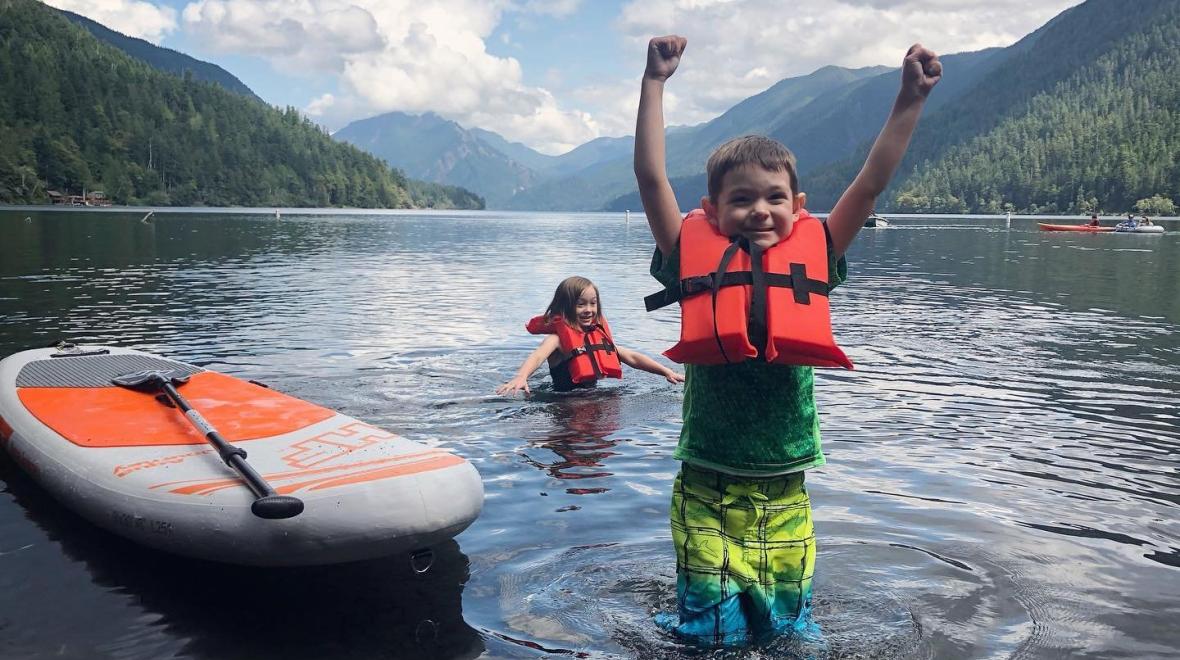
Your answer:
<point x="774" y="307"/>
<point x="588" y="355"/>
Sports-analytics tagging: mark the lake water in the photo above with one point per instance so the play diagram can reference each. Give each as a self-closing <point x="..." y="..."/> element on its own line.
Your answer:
<point x="1004" y="463"/>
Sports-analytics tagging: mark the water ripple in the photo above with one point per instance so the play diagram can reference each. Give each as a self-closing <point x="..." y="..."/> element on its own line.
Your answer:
<point x="1002" y="476"/>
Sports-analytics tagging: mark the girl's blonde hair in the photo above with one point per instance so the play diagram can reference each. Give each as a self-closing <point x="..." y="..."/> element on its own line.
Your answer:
<point x="565" y="299"/>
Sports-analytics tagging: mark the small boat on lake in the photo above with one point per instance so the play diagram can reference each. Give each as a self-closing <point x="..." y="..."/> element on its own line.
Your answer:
<point x="1085" y="228"/>
<point x="1135" y="228"/>
<point x="876" y="221"/>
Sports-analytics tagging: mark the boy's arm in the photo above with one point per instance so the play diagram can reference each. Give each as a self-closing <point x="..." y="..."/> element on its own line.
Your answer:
<point x="638" y="360"/>
<point x="920" y="72"/>
<point x="659" y="202"/>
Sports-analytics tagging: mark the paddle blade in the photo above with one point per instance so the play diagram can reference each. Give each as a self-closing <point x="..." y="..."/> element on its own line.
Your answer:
<point x="153" y="377"/>
<point x="277" y="507"/>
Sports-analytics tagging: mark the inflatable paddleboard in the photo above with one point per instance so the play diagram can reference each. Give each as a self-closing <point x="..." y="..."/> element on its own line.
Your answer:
<point x="132" y="463"/>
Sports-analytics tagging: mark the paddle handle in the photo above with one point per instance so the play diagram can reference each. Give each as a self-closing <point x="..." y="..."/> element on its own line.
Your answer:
<point x="269" y="504"/>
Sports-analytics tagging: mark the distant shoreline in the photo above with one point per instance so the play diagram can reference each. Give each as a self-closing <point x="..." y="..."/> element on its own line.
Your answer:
<point x="250" y="210"/>
<point x="636" y="216"/>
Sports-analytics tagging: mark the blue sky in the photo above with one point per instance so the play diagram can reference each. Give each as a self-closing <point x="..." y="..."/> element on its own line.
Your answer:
<point x="550" y="73"/>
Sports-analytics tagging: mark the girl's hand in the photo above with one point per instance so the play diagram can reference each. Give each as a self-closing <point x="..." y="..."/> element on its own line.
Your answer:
<point x="674" y="377"/>
<point x="515" y="385"/>
<point x="920" y="72"/>
<point x="663" y="56"/>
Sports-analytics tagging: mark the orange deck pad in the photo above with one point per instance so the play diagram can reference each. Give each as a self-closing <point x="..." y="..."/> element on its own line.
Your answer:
<point x="120" y="417"/>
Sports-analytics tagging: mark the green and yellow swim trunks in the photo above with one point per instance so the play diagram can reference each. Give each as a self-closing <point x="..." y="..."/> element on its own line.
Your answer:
<point x="745" y="556"/>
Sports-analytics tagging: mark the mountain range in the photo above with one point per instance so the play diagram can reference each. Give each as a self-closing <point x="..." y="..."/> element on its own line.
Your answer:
<point x="432" y="148"/>
<point x="510" y="175"/>
<point x="1078" y="115"/>
<point x="1082" y="114"/>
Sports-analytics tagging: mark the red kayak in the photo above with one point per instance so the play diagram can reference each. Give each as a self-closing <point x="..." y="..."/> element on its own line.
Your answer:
<point x="1090" y="228"/>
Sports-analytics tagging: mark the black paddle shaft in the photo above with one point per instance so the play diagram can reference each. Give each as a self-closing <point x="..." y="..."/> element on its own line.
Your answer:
<point x="233" y="456"/>
<point x="269" y="504"/>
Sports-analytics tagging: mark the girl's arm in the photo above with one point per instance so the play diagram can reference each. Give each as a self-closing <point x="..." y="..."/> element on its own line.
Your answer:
<point x="638" y="360"/>
<point x="521" y="380"/>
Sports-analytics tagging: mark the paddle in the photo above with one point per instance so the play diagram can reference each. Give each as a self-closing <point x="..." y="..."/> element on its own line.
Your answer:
<point x="269" y="504"/>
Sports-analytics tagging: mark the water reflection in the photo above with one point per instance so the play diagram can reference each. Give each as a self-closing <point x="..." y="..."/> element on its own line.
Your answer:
<point x="153" y="605"/>
<point x="580" y="435"/>
<point x="1002" y="464"/>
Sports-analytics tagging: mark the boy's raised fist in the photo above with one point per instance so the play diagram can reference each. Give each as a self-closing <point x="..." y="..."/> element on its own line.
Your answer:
<point x="663" y="55"/>
<point x="921" y="70"/>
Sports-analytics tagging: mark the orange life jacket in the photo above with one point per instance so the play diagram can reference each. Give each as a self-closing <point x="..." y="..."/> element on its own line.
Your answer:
<point x="774" y="307"/>
<point x="588" y="355"/>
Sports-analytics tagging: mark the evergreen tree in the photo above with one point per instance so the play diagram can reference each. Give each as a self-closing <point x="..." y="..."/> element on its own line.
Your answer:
<point x="78" y="113"/>
<point x="1085" y="117"/>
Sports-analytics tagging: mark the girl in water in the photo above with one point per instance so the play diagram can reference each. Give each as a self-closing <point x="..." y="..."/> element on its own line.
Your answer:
<point x="578" y="344"/>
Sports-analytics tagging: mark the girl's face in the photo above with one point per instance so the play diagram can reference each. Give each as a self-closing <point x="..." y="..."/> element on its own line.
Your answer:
<point x="586" y="306"/>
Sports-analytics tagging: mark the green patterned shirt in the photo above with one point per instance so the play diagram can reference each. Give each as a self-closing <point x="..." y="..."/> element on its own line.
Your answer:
<point x="750" y="418"/>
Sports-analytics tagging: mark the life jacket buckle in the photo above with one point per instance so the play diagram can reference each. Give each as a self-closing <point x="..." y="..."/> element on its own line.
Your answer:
<point x="693" y="285"/>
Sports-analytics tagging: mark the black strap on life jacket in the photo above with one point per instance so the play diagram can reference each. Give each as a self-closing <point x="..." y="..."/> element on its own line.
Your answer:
<point x="722" y="266"/>
<point x="756" y="322"/>
<point x="587" y="348"/>
<point x="797" y="280"/>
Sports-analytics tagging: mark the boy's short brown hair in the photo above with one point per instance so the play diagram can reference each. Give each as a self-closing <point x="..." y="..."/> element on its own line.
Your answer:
<point x="768" y="153"/>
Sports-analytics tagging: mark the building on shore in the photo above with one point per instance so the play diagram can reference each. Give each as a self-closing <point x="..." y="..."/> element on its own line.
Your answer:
<point x="92" y="198"/>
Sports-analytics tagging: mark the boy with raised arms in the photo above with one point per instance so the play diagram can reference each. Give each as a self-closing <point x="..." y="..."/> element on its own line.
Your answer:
<point x="741" y="517"/>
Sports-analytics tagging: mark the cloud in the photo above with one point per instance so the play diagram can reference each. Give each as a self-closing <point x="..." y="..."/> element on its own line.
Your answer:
<point x="318" y="36"/>
<point x="321" y="105"/>
<point x="738" y="48"/>
<point x="404" y="55"/>
<point x="134" y="18"/>
<point x="551" y="7"/>
<point x="431" y="55"/>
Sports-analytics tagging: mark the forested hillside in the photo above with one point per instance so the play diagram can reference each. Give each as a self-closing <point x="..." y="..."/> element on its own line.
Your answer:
<point x="77" y="113"/>
<point x="829" y="126"/>
<point x="1085" y="117"/>
<point x="431" y="148"/>
<point x="164" y="59"/>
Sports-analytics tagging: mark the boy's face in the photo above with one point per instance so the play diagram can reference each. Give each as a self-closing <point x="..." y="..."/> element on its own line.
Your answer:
<point x="756" y="203"/>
